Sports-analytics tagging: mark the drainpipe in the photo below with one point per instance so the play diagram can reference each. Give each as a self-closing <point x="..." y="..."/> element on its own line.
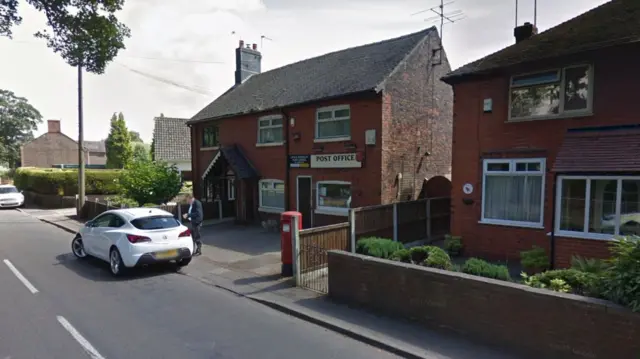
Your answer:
<point x="552" y="259"/>
<point x="285" y="123"/>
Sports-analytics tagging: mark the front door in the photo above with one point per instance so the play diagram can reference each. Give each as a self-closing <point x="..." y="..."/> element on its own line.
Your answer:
<point x="305" y="201"/>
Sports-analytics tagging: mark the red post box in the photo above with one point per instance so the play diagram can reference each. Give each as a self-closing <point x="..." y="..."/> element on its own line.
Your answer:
<point x="286" y="240"/>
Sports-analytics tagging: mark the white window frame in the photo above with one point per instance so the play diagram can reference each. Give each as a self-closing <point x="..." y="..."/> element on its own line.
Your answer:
<point x="331" y="211"/>
<point x="585" y="230"/>
<point x="270" y="118"/>
<point x="333" y="110"/>
<point x="512" y="173"/>
<point x="231" y="189"/>
<point x="269" y="209"/>
<point x="562" y="113"/>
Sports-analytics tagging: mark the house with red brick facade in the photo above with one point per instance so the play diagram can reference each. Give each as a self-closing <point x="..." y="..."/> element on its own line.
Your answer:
<point x="546" y="139"/>
<point x="357" y="127"/>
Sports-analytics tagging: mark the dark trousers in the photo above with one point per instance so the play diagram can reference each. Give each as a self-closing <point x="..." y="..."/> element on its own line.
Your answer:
<point x="195" y="233"/>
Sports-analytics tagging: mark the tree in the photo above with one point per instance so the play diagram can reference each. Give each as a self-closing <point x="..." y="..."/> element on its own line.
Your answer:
<point x="18" y="120"/>
<point x="118" y="143"/>
<point x="83" y="32"/>
<point x="141" y="152"/>
<point x="150" y="182"/>
<point x="152" y="150"/>
<point x="135" y="136"/>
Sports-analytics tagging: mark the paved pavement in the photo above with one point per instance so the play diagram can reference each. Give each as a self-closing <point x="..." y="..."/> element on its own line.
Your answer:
<point x="245" y="262"/>
<point x="54" y="306"/>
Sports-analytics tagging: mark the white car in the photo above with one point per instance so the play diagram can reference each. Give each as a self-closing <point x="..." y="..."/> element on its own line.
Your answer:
<point x="134" y="237"/>
<point x="10" y="197"/>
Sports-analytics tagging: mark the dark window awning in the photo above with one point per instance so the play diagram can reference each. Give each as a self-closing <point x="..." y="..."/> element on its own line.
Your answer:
<point x="599" y="151"/>
<point x="236" y="159"/>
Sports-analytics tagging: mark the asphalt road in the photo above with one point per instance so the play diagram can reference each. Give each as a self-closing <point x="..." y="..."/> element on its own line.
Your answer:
<point x="55" y="306"/>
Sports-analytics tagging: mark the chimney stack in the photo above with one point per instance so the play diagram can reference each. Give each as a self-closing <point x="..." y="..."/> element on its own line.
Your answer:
<point x="248" y="62"/>
<point x="53" y="126"/>
<point x="524" y="32"/>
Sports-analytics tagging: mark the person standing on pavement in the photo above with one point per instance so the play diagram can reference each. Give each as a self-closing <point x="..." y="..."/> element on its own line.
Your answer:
<point x="195" y="216"/>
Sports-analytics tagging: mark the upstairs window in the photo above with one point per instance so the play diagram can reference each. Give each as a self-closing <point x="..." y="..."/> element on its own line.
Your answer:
<point x="552" y="93"/>
<point x="333" y="123"/>
<point x="270" y="129"/>
<point x="210" y="136"/>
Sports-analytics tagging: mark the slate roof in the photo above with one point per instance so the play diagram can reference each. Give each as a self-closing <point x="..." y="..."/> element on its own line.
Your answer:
<point x="354" y="70"/>
<point x="95" y="146"/>
<point x="613" y="23"/>
<point x="172" y="139"/>
<point x="239" y="162"/>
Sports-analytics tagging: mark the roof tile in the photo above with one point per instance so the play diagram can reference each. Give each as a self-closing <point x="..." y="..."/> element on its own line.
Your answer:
<point x="172" y="139"/>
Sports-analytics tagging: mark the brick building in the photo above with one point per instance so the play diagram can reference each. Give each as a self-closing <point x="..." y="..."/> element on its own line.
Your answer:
<point x="357" y="127"/>
<point x="56" y="148"/>
<point x="545" y="139"/>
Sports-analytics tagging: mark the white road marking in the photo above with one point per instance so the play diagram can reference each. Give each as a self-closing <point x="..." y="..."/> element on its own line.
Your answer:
<point x="24" y="280"/>
<point x="93" y="353"/>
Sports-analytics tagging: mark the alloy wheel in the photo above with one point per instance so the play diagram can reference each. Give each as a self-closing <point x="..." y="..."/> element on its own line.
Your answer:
<point x="78" y="248"/>
<point x="115" y="262"/>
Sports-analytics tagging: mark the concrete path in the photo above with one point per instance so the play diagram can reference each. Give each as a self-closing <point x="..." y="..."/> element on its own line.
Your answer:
<point x="246" y="262"/>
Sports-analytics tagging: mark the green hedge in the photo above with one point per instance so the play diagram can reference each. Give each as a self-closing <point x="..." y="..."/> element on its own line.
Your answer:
<point x="64" y="182"/>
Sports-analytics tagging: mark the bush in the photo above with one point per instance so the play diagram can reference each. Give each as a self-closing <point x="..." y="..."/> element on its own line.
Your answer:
<point x="378" y="247"/>
<point x="485" y="269"/>
<point x="589" y="265"/>
<point x="535" y="259"/>
<point x="118" y="201"/>
<point x="621" y="281"/>
<point x="150" y="182"/>
<point x="419" y="254"/>
<point x="453" y="244"/>
<point x="438" y="258"/>
<point x="63" y="182"/>
<point x="402" y="255"/>
<point x="578" y="282"/>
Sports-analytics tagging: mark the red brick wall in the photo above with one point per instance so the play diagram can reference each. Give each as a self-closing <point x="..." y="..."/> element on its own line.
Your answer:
<point x="536" y="322"/>
<point x="475" y="134"/>
<point x="417" y="117"/>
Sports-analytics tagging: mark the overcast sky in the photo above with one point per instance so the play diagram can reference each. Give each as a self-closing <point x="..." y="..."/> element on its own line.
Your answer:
<point x="198" y="31"/>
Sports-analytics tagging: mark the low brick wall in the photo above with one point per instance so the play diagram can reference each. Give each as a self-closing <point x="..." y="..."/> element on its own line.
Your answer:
<point x="540" y="322"/>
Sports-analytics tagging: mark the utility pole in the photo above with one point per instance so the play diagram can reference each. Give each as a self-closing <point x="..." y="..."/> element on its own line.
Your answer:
<point x="80" y="144"/>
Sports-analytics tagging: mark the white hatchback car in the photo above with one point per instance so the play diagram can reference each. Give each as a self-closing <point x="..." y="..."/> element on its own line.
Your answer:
<point x="134" y="237"/>
<point x="10" y="197"/>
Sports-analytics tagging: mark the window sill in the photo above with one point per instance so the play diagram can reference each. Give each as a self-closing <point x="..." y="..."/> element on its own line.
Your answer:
<point x="332" y="212"/>
<point x="512" y="224"/>
<point x="557" y="117"/>
<point x="270" y="210"/>
<point x="332" y="139"/>
<point x="586" y="236"/>
<point x="210" y="148"/>
<point x="270" y="144"/>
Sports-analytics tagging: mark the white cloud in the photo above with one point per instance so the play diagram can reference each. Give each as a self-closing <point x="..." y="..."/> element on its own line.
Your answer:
<point x="201" y="30"/>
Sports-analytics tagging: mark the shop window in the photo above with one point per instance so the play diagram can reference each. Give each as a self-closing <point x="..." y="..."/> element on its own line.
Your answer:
<point x="333" y="197"/>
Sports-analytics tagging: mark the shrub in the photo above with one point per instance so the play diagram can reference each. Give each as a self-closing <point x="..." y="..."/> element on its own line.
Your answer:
<point x="63" y="182"/>
<point x="438" y="258"/>
<point x="589" y="265"/>
<point x="479" y="267"/>
<point x="150" y="182"/>
<point x="621" y="281"/>
<point x="378" y="247"/>
<point x="535" y="259"/>
<point x="419" y="254"/>
<point x="402" y="255"/>
<point x="583" y="283"/>
<point x="118" y="201"/>
<point x="453" y="244"/>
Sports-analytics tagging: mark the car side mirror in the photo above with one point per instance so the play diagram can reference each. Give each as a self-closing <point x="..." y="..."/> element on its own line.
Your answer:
<point x="89" y="224"/>
<point x="21" y="191"/>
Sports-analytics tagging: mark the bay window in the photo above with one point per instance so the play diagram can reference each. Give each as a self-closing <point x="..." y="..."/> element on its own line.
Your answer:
<point x="513" y="192"/>
<point x="333" y="197"/>
<point x="597" y="207"/>
<point x="551" y="93"/>
<point x="271" y="195"/>
<point x="333" y="123"/>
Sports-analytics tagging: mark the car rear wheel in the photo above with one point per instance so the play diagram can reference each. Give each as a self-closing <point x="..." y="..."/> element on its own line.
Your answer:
<point x="115" y="263"/>
<point x="77" y="247"/>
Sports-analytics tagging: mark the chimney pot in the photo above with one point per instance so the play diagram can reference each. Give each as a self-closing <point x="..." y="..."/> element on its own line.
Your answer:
<point x="255" y="47"/>
<point x="53" y="126"/>
<point x="241" y="43"/>
<point x="524" y="32"/>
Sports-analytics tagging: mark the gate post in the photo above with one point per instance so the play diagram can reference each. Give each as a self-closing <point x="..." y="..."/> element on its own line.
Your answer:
<point x="295" y="236"/>
<point x="352" y="229"/>
<point x="395" y="222"/>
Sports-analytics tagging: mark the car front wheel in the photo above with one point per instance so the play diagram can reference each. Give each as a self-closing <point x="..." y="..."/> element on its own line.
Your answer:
<point x="77" y="247"/>
<point x="115" y="263"/>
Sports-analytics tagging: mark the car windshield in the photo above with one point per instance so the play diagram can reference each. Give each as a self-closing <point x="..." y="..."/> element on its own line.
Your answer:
<point x="155" y="222"/>
<point x="4" y="190"/>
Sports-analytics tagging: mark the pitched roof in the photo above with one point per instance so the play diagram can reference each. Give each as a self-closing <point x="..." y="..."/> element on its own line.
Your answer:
<point x="613" y="23"/>
<point x="172" y="139"/>
<point x="95" y="146"/>
<point x="339" y="73"/>
<point x="239" y="162"/>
